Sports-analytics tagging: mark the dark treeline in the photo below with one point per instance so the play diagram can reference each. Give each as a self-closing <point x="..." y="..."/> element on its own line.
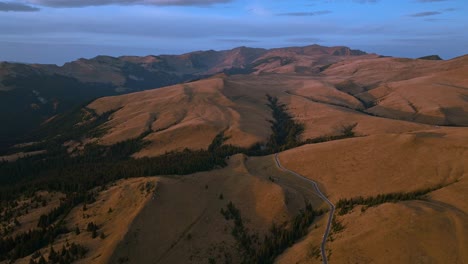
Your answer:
<point x="64" y="208"/>
<point x="59" y="95"/>
<point x="68" y="254"/>
<point x="346" y="132"/>
<point x="79" y="174"/>
<point x="279" y="238"/>
<point x="50" y="226"/>
<point x="27" y="243"/>
<point x="247" y="242"/>
<point x="285" y="130"/>
<point x="52" y="134"/>
<point x="64" y="127"/>
<point x="97" y="165"/>
<point x="346" y="205"/>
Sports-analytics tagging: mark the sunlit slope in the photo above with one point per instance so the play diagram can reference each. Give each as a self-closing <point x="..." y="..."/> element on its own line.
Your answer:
<point x="431" y="92"/>
<point x="183" y="223"/>
<point x="113" y="212"/>
<point x="190" y="115"/>
<point x="379" y="95"/>
<point x="185" y="116"/>
<point x="312" y="101"/>
<point x="431" y="230"/>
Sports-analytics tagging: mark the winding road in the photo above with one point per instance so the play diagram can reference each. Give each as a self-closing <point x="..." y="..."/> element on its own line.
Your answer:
<point x="330" y="204"/>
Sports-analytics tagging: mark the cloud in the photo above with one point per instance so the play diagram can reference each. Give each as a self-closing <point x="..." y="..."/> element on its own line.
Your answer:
<point x="237" y="40"/>
<point x="449" y="9"/>
<point x="258" y="10"/>
<point x="433" y="13"/>
<point x="434" y="19"/>
<point x="415" y="40"/>
<point x="316" y="13"/>
<point x="355" y="1"/>
<point x="430" y="1"/>
<point x="424" y="14"/>
<point x="83" y="3"/>
<point x="365" y="1"/>
<point x="16" y="7"/>
<point x="304" y="40"/>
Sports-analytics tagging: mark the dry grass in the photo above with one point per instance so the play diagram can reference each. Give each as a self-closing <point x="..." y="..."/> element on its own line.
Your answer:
<point x="28" y="220"/>
<point x="406" y="232"/>
<point x="19" y="155"/>
<point x="402" y="150"/>
<point x="432" y="231"/>
<point x="184" y="225"/>
<point x="188" y="115"/>
<point x="125" y="198"/>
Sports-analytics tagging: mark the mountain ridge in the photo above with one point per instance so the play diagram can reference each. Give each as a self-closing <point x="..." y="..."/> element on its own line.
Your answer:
<point x="39" y="91"/>
<point x="384" y="138"/>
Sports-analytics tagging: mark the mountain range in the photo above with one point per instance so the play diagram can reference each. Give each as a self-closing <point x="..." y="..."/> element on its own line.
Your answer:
<point x="36" y="92"/>
<point x="293" y="155"/>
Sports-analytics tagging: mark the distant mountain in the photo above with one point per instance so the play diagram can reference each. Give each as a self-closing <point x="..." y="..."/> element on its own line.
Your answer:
<point x="384" y="138"/>
<point x="431" y="57"/>
<point x="32" y="93"/>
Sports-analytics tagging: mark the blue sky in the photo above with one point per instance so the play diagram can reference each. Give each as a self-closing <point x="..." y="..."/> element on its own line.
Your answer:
<point x="56" y="31"/>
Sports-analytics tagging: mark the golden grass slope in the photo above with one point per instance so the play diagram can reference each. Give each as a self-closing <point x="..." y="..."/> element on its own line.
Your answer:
<point x="113" y="212"/>
<point x="380" y="95"/>
<point x="190" y="115"/>
<point x="430" y="231"/>
<point x="182" y="116"/>
<point x="312" y="101"/>
<point x="183" y="224"/>
<point x="432" y="92"/>
<point x="27" y="212"/>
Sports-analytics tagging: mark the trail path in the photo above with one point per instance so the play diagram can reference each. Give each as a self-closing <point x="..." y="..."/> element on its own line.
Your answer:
<point x="330" y="204"/>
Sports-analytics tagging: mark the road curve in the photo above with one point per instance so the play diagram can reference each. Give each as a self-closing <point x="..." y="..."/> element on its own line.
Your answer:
<point x="330" y="204"/>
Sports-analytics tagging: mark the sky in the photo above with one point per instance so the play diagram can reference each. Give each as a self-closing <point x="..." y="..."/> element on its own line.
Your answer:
<point x="57" y="31"/>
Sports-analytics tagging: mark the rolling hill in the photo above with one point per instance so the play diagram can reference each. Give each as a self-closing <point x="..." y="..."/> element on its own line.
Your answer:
<point x="186" y="173"/>
<point x="34" y="93"/>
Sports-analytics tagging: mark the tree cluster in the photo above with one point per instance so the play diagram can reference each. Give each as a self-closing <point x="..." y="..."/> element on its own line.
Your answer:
<point x="28" y="242"/>
<point x="68" y="254"/>
<point x="279" y="238"/>
<point x="98" y="165"/>
<point x="285" y="131"/>
<point x="51" y="225"/>
<point x="346" y="205"/>
<point x="70" y="201"/>
<point x="92" y="228"/>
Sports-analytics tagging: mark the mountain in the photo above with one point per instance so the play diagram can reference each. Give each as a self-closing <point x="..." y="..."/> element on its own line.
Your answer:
<point x="241" y="163"/>
<point x="32" y="93"/>
<point x="390" y="92"/>
<point x="431" y="57"/>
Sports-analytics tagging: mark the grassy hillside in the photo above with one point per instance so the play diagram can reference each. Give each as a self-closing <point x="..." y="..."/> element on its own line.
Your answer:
<point x="384" y="138"/>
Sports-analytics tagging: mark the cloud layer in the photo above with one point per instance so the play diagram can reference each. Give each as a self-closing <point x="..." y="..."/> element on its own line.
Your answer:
<point x="16" y="7"/>
<point x="316" y="13"/>
<point x="431" y="1"/>
<point x="423" y="14"/>
<point x="62" y="31"/>
<point x="82" y="3"/>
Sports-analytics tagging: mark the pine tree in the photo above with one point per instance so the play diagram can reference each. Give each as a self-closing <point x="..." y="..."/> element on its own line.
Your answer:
<point x="53" y="256"/>
<point x="42" y="260"/>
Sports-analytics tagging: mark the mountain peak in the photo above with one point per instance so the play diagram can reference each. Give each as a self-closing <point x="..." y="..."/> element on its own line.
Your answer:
<point x="430" y="57"/>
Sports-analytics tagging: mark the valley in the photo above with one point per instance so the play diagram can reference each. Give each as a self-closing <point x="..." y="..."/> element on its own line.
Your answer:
<point x="293" y="155"/>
